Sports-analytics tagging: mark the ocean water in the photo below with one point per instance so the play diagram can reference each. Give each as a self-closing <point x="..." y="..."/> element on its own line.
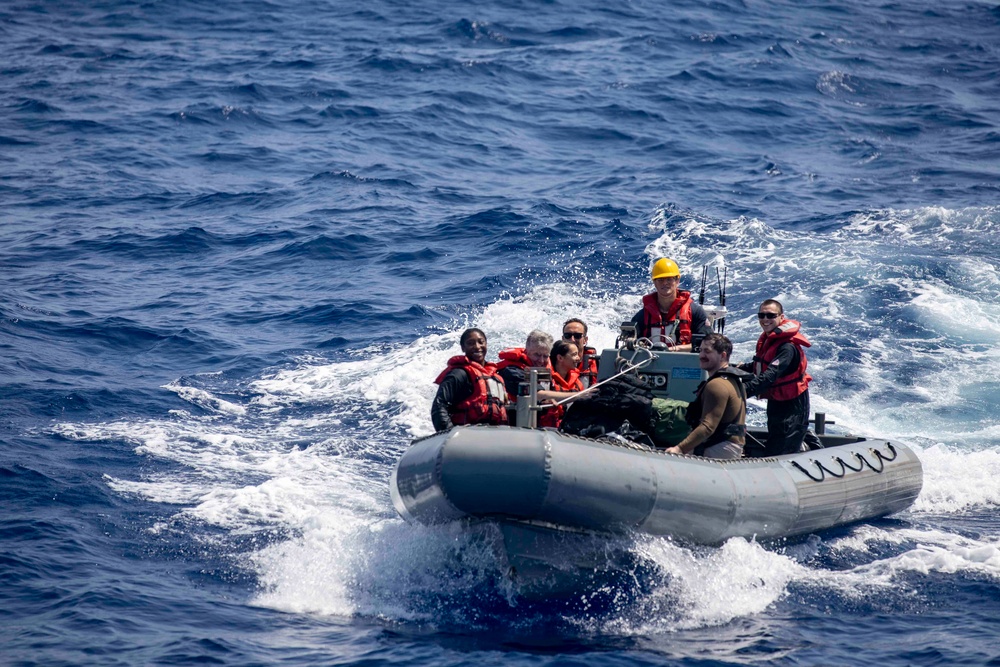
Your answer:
<point x="239" y="240"/>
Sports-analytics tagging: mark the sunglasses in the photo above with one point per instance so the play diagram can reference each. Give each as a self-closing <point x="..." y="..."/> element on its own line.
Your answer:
<point x="574" y="336"/>
<point x="768" y="316"/>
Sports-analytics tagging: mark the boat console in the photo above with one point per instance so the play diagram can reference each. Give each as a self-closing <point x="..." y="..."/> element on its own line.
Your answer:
<point x="669" y="374"/>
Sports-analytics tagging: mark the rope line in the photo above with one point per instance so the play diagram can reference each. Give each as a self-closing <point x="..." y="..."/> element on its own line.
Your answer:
<point x="809" y="474"/>
<point x="843" y="468"/>
<point x="881" y="458"/>
<point x="850" y="467"/>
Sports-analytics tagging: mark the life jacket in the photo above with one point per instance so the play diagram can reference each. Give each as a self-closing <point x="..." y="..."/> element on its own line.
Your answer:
<point x="486" y="404"/>
<point x="588" y="367"/>
<point x="794" y="382"/>
<point x="553" y="416"/>
<point x="516" y="357"/>
<point x="676" y="325"/>
<point x="725" y="430"/>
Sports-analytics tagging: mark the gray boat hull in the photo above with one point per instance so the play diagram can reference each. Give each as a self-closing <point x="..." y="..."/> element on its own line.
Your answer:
<point x="556" y="481"/>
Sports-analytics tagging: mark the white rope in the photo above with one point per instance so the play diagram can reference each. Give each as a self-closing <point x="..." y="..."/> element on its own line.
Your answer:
<point x="604" y="381"/>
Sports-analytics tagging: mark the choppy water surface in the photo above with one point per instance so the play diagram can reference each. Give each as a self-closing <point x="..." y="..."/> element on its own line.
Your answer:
<point x="238" y="243"/>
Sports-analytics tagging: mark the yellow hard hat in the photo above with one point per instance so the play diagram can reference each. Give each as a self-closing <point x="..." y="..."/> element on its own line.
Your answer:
<point x="665" y="268"/>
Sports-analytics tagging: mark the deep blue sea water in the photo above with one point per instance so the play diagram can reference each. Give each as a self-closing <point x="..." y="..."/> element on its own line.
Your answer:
<point x="238" y="240"/>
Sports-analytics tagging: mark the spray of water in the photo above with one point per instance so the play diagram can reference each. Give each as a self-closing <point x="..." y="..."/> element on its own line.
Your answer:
<point x="304" y="452"/>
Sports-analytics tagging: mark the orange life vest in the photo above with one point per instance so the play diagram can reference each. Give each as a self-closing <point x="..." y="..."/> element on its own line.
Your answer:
<point x="553" y="416"/>
<point x="679" y="311"/>
<point x="796" y="381"/>
<point x="486" y="403"/>
<point x="516" y="357"/>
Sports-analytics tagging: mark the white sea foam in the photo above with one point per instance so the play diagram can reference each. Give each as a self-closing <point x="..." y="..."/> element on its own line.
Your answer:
<point x="931" y="551"/>
<point x="350" y="565"/>
<point x="711" y="587"/>
<point x="957" y="480"/>
<point x="246" y="479"/>
<point x="205" y="399"/>
<point x="708" y="587"/>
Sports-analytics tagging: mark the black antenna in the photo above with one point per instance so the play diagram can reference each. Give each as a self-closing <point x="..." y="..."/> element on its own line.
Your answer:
<point x="721" y="323"/>
<point x="704" y="277"/>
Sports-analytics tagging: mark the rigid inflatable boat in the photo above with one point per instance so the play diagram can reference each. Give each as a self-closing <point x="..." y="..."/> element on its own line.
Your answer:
<point x="557" y="498"/>
<point x="548" y="478"/>
<point x="541" y="486"/>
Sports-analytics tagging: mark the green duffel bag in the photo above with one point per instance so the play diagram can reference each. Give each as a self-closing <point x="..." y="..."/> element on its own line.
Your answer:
<point x="671" y="427"/>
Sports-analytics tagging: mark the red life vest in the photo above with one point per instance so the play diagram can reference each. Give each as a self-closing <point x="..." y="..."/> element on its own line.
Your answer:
<point x="796" y="381"/>
<point x="516" y="357"/>
<point x="487" y="402"/>
<point x="679" y="311"/>
<point x="553" y="416"/>
<point x="588" y="367"/>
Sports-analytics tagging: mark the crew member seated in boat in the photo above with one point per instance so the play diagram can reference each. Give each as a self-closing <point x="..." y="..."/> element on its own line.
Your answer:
<point x="717" y="416"/>
<point x="575" y="331"/>
<point x="514" y="360"/>
<point x="779" y="375"/>
<point x="565" y="360"/>
<point x="670" y="316"/>
<point x="469" y="390"/>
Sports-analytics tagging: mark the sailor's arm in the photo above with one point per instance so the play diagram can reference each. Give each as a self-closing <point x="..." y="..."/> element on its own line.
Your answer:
<point x="780" y="365"/>
<point x="556" y="396"/>
<point x="512" y="377"/>
<point x="699" y="320"/>
<point x="714" y="401"/>
<point x="639" y="321"/>
<point x="454" y="389"/>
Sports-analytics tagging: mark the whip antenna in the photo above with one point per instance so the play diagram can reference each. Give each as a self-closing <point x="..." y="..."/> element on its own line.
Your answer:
<point x="704" y="277"/>
<point x="721" y="278"/>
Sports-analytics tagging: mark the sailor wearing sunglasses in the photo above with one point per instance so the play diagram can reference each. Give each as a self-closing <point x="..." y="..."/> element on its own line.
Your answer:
<point x="779" y="368"/>
<point x="575" y="331"/>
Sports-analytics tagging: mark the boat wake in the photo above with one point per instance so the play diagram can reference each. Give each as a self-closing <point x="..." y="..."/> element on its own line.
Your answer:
<point x="284" y="475"/>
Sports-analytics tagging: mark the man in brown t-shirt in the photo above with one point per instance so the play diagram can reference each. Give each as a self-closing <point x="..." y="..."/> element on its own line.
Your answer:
<point x="718" y="413"/>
